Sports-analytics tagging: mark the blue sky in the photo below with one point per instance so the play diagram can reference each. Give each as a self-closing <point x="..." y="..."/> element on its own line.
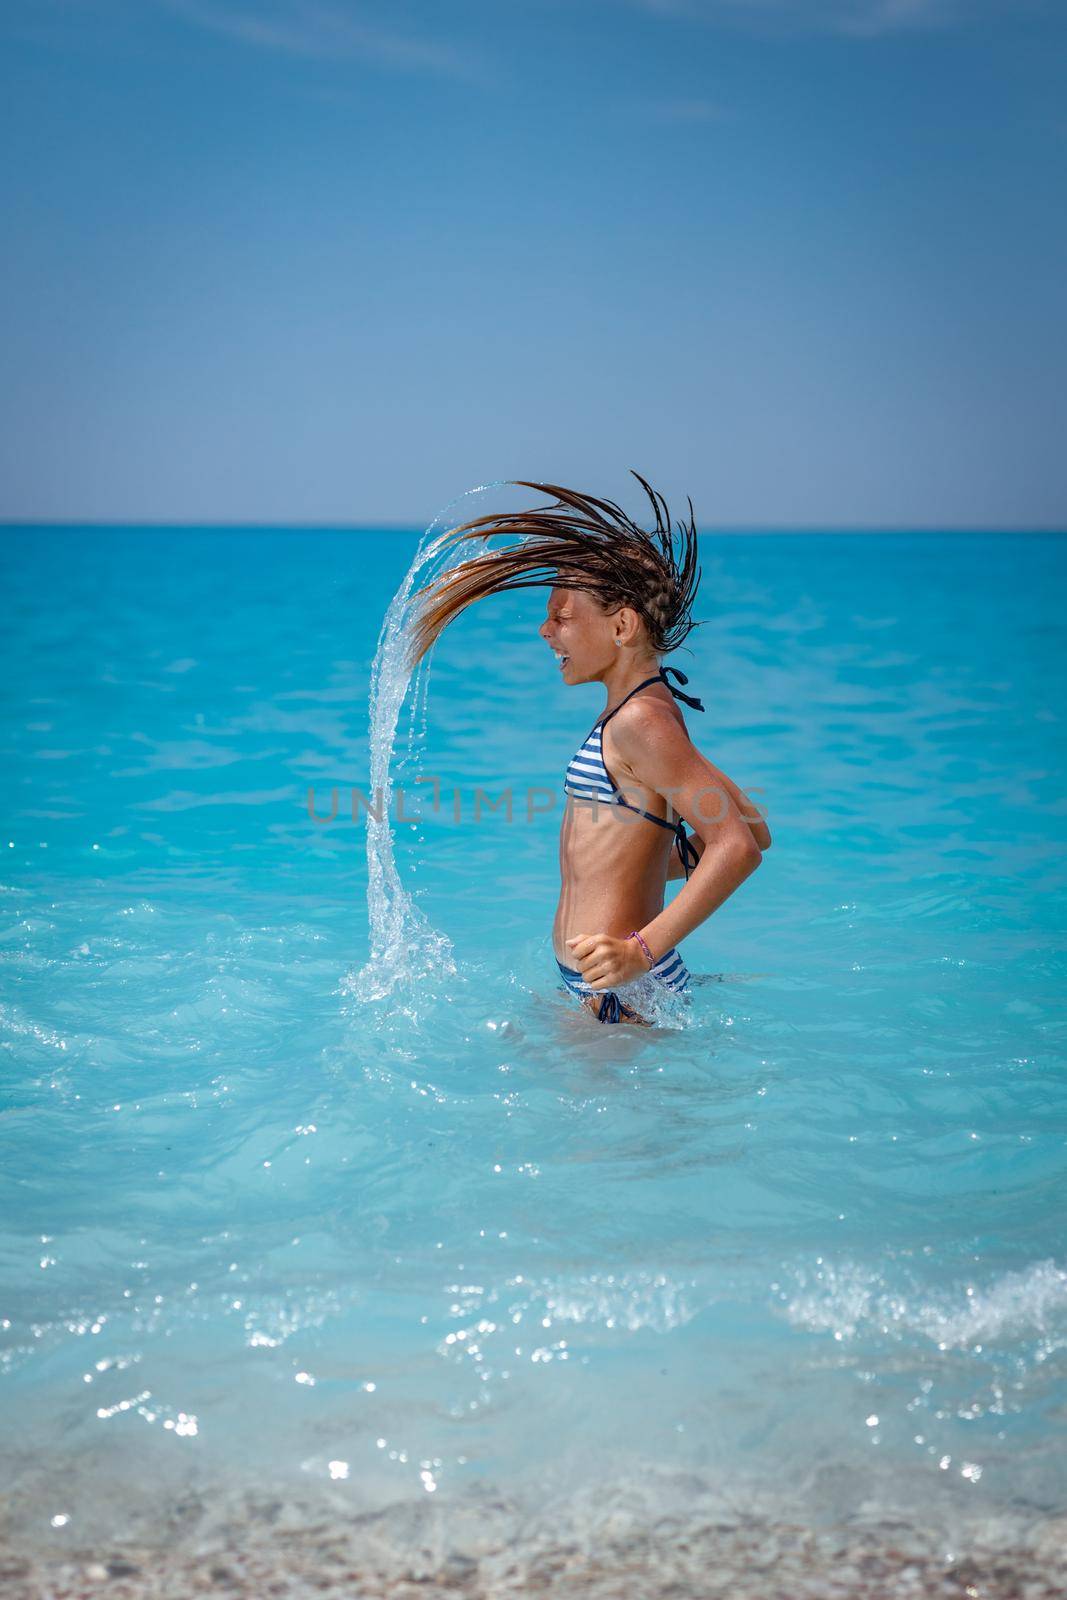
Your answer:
<point x="333" y="262"/>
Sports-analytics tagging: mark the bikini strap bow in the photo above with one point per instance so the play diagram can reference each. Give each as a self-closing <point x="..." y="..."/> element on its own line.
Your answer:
<point x="689" y="699"/>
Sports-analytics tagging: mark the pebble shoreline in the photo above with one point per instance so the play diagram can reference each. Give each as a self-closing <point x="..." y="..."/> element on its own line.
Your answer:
<point x="287" y="1548"/>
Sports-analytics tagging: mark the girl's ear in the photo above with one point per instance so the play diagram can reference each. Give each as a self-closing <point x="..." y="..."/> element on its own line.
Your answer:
<point x="630" y="625"/>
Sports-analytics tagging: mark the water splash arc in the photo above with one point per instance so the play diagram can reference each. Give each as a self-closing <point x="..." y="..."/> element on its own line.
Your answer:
<point x="404" y="946"/>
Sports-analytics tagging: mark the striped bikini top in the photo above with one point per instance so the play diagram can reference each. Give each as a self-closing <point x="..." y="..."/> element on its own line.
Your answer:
<point x="589" y="779"/>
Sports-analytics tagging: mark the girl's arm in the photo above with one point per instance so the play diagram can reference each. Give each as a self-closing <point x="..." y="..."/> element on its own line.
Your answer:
<point x="754" y="818"/>
<point x="661" y="756"/>
<point x="674" y="865"/>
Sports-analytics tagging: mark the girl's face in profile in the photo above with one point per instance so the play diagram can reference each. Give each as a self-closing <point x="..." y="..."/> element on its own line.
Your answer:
<point x="581" y="634"/>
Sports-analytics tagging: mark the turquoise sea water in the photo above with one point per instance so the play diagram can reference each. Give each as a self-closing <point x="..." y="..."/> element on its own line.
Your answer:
<point x="264" y="1217"/>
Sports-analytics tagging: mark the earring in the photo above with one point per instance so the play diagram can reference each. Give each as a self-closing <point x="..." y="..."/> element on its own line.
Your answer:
<point x="618" y="642"/>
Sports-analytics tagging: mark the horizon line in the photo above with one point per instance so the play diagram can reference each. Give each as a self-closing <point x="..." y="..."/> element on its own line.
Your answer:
<point x="755" y="528"/>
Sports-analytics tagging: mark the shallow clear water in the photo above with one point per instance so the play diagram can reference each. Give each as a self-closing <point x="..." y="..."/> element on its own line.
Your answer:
<point x="260" y="1225"/>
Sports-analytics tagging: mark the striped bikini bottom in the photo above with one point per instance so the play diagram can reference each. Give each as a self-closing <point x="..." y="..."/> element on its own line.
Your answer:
<point x="670" y="970"/>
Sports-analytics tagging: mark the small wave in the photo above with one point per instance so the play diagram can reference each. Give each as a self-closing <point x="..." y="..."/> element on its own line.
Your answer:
<point x="630" y="1301"/>
<point x="846" y="1298"/>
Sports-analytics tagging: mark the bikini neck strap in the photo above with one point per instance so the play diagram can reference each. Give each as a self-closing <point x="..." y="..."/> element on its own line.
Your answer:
<point x="661" y="677"/>
<point x="689" y="699"/>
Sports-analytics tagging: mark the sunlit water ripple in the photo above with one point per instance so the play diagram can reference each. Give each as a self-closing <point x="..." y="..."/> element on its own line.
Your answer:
<point x="258" y="1227"/>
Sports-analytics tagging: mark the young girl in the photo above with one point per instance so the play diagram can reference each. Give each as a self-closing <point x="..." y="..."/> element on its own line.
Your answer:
<point x="620" y="598"/>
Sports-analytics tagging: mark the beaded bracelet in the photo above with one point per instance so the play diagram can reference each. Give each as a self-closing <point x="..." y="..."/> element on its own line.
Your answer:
<point x="644" y="947"/>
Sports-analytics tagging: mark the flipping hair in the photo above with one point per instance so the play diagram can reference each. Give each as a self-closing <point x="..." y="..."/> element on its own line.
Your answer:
<point x="579" y="543"/>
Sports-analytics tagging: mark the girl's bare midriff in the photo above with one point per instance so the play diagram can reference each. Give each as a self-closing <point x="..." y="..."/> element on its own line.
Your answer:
<point x="613" y="871"/>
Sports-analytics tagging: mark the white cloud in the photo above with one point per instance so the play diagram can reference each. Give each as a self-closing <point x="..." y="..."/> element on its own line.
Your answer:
<point x="857" y="17"/>
<point x="321" y="31"/>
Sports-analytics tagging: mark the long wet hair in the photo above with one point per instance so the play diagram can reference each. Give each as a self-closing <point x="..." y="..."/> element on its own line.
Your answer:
<point x="579" y="543"/>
